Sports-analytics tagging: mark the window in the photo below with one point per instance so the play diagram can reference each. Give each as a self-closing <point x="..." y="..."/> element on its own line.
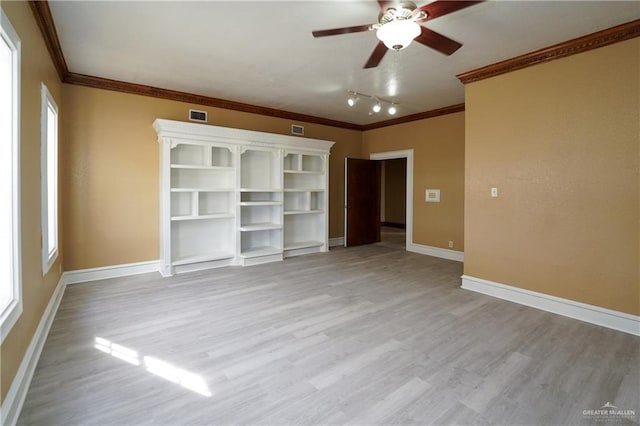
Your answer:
<point x="10" y="255"/>
<point x="49" y="176"/>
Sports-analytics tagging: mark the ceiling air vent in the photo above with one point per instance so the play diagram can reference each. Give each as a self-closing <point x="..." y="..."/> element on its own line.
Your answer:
<point x="195" y="115"/>
<point x="297" y="130"/>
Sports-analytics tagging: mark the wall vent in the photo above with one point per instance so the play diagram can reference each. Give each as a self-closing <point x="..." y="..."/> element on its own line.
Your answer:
<point x="297" y="130"/>
<point x="195" y="115"/>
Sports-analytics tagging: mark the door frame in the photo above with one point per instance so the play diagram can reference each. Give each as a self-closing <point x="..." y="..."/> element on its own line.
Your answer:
<point x="408" y="154"/>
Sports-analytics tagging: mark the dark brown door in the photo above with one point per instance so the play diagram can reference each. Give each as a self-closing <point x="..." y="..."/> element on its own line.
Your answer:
<point x="362" y="202"/>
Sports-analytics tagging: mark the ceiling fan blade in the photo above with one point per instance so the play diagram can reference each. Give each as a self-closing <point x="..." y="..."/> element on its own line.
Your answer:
<point x="437" y="41"/>
<point x="376" y="56"/>
<point x="443" y="7"/>
<point x="345" y="30"/>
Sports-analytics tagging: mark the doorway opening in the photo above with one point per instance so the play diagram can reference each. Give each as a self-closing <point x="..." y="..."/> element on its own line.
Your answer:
<point x="396" y="198"/>
<point x="393" y="203"/>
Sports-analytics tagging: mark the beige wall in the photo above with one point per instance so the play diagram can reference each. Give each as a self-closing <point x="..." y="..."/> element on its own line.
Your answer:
<point x="438" y="145"/>
<point x="111" y="174"/>
<point x="560" y="140"/>
<point x="36" y="67"/>
<point x="395" y="190"/>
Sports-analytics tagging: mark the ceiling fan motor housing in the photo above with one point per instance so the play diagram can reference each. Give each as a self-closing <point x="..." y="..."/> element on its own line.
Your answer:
<point x="403" y="11"/>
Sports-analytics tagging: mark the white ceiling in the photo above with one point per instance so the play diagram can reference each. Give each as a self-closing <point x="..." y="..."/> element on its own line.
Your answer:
<point x="262" y="52"/>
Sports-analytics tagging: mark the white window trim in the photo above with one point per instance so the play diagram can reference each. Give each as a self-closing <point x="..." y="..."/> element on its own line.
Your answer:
<point x="48" y="258"/>
<point x="12" y="312"/>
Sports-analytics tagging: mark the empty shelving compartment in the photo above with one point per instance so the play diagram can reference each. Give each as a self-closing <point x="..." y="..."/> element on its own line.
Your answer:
<point x="260" y="169"/>
<point x="201" y="156"/>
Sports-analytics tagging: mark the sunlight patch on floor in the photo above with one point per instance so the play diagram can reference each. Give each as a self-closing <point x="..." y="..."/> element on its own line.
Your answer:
<point x="117" y="351"/>
<point x="155" y="366"/>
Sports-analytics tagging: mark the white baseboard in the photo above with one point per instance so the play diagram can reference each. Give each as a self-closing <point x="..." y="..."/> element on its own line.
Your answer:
<point x="436" y="252"/>
<point x="335" y="242"/>
<point x="93" y="274"/>
<point x="581" y="311"/>
<point x="14" y="399"/>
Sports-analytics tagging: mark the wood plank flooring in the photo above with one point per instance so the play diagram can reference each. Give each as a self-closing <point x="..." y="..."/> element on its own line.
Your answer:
<point x="365" y="335"/>
<point x="393" y="237"/>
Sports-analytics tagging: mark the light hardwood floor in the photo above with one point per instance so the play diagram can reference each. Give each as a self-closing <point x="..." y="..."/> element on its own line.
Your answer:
<point x="393" y="237"/>
<point x="366" y="335"/>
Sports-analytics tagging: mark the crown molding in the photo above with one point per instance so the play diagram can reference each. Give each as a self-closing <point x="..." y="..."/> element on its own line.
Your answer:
<point x="44" y="19"/>
<point x="174" y="95"/>
<point x="585" y="43"/>
<point x="415" y="117"/>
<point x="45" y="22"/>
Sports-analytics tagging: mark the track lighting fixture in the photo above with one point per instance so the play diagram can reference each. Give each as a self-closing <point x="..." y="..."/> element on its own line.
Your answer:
<point x="376" y="107"/>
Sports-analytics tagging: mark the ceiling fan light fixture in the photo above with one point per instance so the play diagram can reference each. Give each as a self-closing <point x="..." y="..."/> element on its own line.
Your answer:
<point x="398" y="34"/>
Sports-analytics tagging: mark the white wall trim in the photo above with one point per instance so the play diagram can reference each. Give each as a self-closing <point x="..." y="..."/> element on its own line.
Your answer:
<point x="581" y="311"/>
<point x="48" y="147"/>
<point x="437" y="252"/>
<point x="10" y="409"/>
<point x="93" y="274"/>
<point x="10" y="314"/>
<point x="335" y="242"/>
<point x="408" y="154"/>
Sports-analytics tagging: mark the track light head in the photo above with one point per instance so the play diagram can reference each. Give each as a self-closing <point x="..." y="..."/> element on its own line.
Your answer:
<point x="377" y="107"/>
<point x="392" y="109"/>
<point x="352" y="99"/>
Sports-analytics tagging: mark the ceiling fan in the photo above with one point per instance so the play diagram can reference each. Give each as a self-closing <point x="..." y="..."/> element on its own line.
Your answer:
<point x="399" y="24"/>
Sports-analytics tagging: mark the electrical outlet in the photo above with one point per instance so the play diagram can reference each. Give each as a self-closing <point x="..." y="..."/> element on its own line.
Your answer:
<point x="450" y="244"/>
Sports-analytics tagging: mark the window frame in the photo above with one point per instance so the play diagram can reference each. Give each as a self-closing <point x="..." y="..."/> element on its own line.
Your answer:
<point x="10" y="314"/>
<point x="48" y="257"/>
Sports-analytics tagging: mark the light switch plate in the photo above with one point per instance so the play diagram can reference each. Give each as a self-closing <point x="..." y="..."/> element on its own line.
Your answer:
<point x="432" y="195"/>
<point x="494" y="192"/>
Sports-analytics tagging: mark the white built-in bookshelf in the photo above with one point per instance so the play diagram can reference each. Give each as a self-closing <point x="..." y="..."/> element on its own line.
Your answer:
<point x="305" y="201"/>
<point x="238" y="197"/>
